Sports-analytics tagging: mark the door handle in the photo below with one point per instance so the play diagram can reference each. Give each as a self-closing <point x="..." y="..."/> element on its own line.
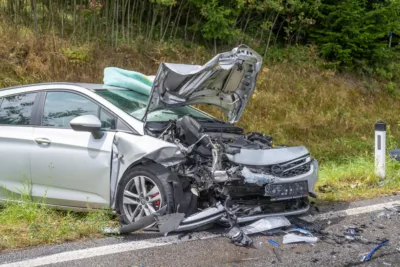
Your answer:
<point x="42" y="141"/>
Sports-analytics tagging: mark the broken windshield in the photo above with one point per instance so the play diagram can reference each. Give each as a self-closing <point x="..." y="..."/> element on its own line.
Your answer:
<point x="134" y="104"/>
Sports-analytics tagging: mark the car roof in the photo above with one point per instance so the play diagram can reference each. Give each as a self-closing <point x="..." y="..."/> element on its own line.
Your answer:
<point x="89" y="86"/>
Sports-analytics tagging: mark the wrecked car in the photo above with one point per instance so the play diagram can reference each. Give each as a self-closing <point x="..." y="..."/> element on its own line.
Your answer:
<point x="137" y="145"/>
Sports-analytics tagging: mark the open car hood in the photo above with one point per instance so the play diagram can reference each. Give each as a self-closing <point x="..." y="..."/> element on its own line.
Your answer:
<point x="227" y="81"/>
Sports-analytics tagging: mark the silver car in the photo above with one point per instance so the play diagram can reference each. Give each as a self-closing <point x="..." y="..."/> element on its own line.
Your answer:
<point x="94" y="145"/>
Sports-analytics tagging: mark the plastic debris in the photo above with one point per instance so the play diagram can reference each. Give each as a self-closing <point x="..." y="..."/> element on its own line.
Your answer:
<point x="273" y="242"/>
<point x="352" y="231"/>
<point x="382" y="215"/>
<point x="110" y="231"/>
<point x="274" y="232"/>
<point x="266" y="224"/>
<point x="169" y="222"/>
<point x="368" y="257"/>
<point x="387" y="263"/>
<point x="239" y="238"/>
<point x="300" y="230"/>
<point x="293" y="238"/>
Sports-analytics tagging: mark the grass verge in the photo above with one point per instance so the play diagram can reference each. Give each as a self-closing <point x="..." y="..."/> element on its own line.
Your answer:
<point x="355" y="179"/>
<point x="25" y="223"/>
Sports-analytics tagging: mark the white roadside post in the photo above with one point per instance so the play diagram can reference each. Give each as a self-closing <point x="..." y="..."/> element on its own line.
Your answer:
<point x="380" y="149"/>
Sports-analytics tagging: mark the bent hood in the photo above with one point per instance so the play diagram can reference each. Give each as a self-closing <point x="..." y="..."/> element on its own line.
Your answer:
<point x="227" y="81"/>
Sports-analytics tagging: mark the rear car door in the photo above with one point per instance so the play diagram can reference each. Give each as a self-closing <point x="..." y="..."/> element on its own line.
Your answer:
<point x="16" y="128"/>
<point x="71" y="168"/>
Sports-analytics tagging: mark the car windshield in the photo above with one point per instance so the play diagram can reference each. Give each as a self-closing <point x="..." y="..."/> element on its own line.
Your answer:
<point x="135" y="104"/>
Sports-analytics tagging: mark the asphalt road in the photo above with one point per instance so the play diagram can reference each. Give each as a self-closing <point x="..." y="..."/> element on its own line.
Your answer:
<point x="204" y="249"/>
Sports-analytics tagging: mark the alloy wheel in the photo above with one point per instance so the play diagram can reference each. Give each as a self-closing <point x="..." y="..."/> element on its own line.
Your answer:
<point x="142" y="197"/>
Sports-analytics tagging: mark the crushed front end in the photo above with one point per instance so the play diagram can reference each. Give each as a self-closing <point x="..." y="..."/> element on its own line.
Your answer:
<point x="244" y="171"/>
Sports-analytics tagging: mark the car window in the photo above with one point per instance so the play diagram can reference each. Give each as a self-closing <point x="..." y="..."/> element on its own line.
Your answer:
<point x="17" y="109"/>
<point x="61" y="107"/>
<point x="108" y="121"/>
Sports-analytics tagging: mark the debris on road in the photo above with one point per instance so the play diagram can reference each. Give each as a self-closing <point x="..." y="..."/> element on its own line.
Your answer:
<point x="300" y="230"/>
<point x="169" y="222"/>
<point x="239" y="238"/>
<point x="368" y="257"/>
<point x="276" y="244"/>
<point x="110" y="231"/>
<point x="266" y="224"/>
<point x="293" y="238"/>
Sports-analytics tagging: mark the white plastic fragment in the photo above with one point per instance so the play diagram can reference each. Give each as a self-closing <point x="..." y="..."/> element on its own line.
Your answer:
<point x="293" y="238"/>
<point x="300" y="230"/>
<point x="266" y="224"/>
<point x="110" y="230"/>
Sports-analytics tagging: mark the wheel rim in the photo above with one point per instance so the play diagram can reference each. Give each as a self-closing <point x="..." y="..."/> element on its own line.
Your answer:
<point x="142" y="197"/>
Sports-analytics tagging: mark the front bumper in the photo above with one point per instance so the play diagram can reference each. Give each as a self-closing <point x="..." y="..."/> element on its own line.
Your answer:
<point x="310" y="177"/>
<point x="217" y="213"/>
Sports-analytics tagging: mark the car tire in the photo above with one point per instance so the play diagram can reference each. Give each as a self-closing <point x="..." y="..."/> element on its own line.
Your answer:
<point x="154" y="174"/>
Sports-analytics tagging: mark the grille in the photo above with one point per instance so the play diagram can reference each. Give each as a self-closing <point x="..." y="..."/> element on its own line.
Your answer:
<point x="297" y="171"/>
<point x="287" y="170"/>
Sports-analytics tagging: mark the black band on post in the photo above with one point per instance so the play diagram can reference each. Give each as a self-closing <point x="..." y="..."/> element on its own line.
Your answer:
<point x="380" y="126"/>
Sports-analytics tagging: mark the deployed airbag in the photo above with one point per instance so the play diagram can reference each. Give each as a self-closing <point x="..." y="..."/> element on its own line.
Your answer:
<point x="133" y="80"/>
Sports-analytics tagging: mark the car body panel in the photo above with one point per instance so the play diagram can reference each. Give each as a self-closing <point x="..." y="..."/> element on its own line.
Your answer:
<point x="16" y="147"/>
<point x="132" y="149"/>
<point x="73" y="170"/>
<point x="228" y="81"/>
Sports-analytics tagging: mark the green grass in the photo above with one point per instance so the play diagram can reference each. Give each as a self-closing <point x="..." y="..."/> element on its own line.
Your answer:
<point x="27" y="223"/>
<point x="355" y="179"/>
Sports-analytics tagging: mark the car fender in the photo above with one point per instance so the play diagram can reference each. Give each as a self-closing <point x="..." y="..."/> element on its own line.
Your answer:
<point x="130" y="149"/>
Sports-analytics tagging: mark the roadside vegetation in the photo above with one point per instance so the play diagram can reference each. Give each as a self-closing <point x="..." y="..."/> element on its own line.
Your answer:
<point x="26" y="223"/>
<point x="328" y="76"/>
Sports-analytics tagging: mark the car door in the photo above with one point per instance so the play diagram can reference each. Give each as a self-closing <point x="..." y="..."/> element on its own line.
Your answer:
<point x="71" y="168"/>
<point x="16" y="116"/>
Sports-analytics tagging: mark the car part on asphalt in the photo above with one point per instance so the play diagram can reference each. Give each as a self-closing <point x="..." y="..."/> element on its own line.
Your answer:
<point x="276" y="244"/>
<point x="266" y="224"/>
<point x="368" y="257"/>
<point x="239" y="238"/>
<point x="293" y="238"/>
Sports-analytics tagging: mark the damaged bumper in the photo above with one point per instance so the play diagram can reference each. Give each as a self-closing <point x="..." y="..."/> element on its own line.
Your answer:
<point x="217" y="213"/>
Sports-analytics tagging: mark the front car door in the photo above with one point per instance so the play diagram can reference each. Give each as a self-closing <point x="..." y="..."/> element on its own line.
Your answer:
<point x="16" y="129"/>
<point x="69" y="168"/>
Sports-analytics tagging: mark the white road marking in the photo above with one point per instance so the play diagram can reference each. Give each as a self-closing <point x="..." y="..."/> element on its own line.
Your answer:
<point x="350" y="212"/>
<point x="100" y="251"/>
<point x="157" y="242"/>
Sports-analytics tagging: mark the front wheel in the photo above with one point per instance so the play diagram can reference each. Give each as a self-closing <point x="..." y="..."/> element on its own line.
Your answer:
<point x="142" y="191"/>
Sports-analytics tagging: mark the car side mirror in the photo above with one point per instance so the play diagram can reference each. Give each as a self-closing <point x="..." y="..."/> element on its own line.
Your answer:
<point x="87" y="123"/>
